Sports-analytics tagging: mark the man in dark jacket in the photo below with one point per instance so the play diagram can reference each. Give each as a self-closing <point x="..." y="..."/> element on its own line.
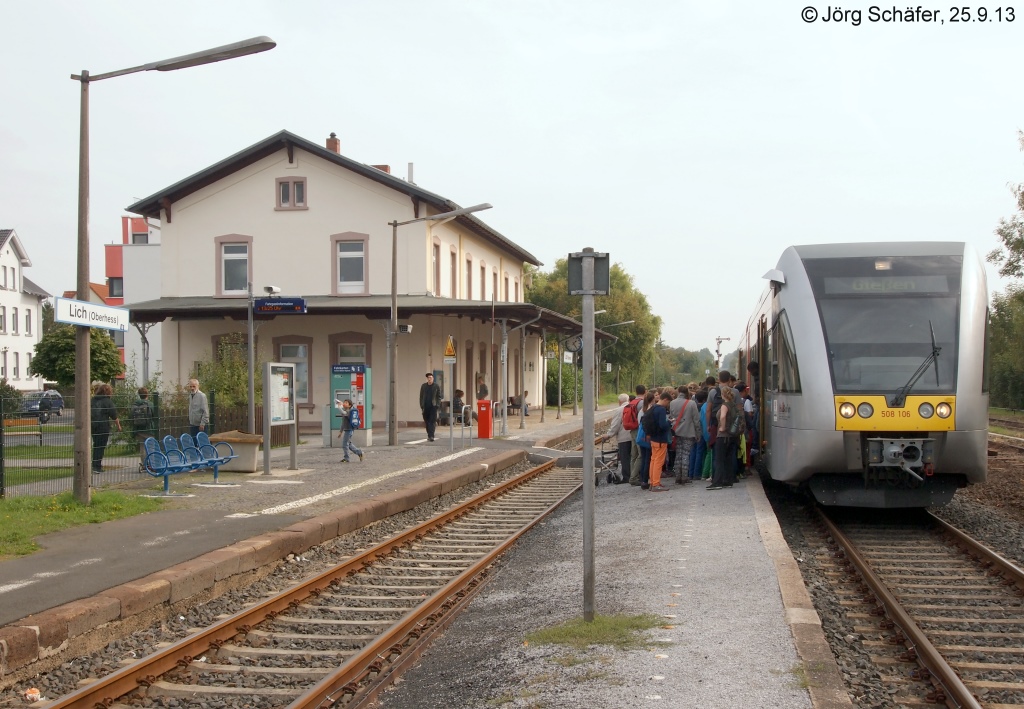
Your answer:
<point x="430" y="400"/>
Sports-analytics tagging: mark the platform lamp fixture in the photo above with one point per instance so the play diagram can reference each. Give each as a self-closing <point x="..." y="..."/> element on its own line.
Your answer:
<point x="600" y="347"/>
<point x="392" y="332"/>
<point x="83" y="376"/>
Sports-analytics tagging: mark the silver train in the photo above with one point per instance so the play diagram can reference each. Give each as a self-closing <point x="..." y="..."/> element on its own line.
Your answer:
<point x="872" y="371"/>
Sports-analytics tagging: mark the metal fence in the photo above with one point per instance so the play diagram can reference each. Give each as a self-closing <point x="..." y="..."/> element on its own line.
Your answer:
<point x="37" y="452"/>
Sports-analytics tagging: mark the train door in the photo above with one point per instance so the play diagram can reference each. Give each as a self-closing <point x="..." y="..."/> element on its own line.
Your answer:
<point x="761" y="388"/>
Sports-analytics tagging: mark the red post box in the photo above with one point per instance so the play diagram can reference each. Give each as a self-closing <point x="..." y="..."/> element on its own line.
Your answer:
<point x="484" y="423"/>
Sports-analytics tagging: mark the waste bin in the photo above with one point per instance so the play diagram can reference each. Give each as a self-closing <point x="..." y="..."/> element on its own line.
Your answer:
<point x="483" y="416"/>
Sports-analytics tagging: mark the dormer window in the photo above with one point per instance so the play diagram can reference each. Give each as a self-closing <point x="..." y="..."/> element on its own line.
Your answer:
<point x="291" y="193"/>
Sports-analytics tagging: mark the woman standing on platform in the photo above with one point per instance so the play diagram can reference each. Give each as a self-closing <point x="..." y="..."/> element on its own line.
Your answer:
<point x="102" y="411"/>
<point x="725" y="443"/>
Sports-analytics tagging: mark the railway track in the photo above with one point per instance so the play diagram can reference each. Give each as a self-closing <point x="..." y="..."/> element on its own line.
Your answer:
<point x="340" y="637"/>
<point x="942" y="615"/>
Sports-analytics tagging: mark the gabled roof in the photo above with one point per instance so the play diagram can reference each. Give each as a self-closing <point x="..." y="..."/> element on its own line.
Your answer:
<point x="101" y="290"/>
<point x="9" y="235"/>
<point x="30" y="288"/>
<point x="151" y="206"/>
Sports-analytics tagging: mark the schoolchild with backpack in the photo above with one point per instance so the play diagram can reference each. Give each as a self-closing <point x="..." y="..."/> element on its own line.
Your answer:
<point x="349" y="422"/>
<point x="635" y="457"/>
<point x="143" y="423"/>
<point x="657" y="430"/>
<point x="685" y="430"/>
<point x="644" y="443"/>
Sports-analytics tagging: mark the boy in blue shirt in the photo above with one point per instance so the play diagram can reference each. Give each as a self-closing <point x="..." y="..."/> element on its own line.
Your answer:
<point x="349" y="423"/>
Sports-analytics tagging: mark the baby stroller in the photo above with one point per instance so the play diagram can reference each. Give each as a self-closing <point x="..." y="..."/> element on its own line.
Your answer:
<point x="606" y="463"/>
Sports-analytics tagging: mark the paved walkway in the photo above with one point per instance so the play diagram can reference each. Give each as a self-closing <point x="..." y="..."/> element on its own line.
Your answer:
<point x="81" y="561"/>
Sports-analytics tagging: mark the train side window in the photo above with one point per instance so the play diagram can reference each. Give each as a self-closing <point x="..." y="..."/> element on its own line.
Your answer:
<point x="785" y="372"/>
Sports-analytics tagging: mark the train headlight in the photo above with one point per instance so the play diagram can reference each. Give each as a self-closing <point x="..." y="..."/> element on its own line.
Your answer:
<point x="926" y="410"/>
<point x="847" y="410"/>
<point x="865" y="410"/>
<point x="943" y="410"/>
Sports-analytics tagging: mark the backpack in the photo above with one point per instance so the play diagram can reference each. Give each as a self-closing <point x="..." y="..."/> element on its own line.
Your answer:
<point x="142" y="414"/>
<point x="715" y="400"/>
<point x="737" y="427"/>
<point x="650" y="423"/>
<point x="630" y="422"/>
<point x="353" y="419"/>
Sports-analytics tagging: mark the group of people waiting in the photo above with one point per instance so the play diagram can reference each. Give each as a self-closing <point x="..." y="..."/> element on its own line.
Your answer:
<point x="691" y="432"/>
<point x="104" y="417"/>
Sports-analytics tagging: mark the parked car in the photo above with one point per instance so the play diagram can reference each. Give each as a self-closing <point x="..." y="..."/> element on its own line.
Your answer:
<point x="42" y="404"/>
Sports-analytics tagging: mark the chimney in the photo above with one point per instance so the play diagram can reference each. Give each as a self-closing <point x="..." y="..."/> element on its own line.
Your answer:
<point x="333" y="144"/>
<point x="383" y="168"/>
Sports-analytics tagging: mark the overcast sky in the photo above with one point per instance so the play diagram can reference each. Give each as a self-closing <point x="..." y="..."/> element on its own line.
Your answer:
<point x="691" y="141"/>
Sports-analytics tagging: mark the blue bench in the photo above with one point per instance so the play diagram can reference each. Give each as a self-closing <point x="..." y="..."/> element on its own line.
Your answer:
<point x="201" y="456"/>
<point x="184" y="457"/>
<point x="159" y="463"/>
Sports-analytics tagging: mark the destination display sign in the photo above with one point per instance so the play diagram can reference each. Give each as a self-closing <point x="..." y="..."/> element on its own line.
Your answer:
<point x="868" y="285"/>
<point x="279" y="306"/>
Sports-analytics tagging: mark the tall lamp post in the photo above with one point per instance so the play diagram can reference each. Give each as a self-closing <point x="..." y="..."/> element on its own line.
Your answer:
<point x="393" y="327"/>
<point x="83" y="375"/>
<point x="597" y="379"/>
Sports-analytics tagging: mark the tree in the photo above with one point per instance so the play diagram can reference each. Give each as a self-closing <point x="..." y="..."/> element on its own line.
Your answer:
<point x="55" y="356"/>
<point x="227" y="373"/>
<point x="10" y="399"/>
<point x="1010" y="258"/>
<point x="1006" y="359"/>
<point x="47" y="316"/>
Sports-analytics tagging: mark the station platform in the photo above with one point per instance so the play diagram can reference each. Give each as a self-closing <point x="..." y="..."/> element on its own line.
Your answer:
<point x="744" y="631"/>
<point x="737" y="626"/>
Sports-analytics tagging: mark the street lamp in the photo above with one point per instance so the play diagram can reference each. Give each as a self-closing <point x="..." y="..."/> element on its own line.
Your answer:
<point x="83" y="375"/>
<point x="393" y="327"/>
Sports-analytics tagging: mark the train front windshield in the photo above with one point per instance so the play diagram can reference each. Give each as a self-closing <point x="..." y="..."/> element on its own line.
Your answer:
<point x="879" y="315"/>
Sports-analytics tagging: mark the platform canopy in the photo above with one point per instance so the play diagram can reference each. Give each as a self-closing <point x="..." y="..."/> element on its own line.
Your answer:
<point x="375" y="307"/>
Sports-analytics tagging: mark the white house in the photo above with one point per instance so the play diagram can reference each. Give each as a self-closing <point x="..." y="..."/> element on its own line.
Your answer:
<point x="289" y="213"/>
<point x="21" y="319"/>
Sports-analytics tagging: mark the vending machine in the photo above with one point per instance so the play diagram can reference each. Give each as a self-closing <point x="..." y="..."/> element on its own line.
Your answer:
<point x="352" y="381"/>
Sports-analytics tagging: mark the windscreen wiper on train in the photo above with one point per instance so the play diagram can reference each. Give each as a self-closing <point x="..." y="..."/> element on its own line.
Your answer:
<point x="900" y="397"/>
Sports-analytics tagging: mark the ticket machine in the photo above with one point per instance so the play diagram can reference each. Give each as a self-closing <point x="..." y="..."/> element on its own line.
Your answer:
<point x="352" y="381"/>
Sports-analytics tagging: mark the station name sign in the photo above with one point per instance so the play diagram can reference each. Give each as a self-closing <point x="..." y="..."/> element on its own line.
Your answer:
<point x="79" y="312"/>
<point x="278" y="306"/>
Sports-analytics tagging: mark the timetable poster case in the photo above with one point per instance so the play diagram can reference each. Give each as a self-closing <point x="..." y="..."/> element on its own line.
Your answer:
<point x="281" y="392"/>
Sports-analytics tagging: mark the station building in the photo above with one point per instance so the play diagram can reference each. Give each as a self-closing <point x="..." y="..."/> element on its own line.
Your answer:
<point x="315" y="224"/>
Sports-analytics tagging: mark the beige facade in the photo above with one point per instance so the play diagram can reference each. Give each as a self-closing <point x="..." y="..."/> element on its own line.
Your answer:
<point x="302" y="218"/>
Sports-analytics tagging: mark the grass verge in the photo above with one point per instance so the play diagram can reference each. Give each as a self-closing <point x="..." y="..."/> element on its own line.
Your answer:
<point x="24" y="518"/>
<point x="620" y="631"/>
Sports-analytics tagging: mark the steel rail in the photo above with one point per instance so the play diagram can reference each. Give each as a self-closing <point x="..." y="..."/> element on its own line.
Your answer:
<point x="373" y="657"/>
<point x="106" y="690"/>
<point x="1010" y="571"/>
<point x="926" y="653"/>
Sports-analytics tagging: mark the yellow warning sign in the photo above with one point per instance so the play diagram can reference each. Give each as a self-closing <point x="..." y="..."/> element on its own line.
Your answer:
<point x="449" y="349"/>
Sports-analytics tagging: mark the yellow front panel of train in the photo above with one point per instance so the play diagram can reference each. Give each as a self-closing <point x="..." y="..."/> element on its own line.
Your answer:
<point x="884" y="418"/>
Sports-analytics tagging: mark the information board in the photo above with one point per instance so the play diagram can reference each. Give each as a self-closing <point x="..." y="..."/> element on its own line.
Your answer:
<point x="280" y="395"/>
